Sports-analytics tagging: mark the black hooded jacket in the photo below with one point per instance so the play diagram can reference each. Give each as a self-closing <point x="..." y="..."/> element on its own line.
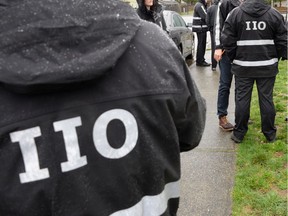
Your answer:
<point x="199" y="17"/>
<point x="93" y="113"/>
<point x="154" y="15"/>
<point x="224" y="8"/>
<point x="254" y="38"/>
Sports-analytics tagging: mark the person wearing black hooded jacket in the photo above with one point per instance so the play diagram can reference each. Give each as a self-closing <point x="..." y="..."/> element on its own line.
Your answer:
<point x="200" y="27"/>
<point x="254" y="38"/>
<point x="93" y="113"/>
<point x="151" y="11"/>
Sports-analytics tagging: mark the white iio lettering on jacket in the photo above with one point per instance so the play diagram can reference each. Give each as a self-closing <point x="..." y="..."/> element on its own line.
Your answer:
<point x="26" y="140"/>
<point x="255" y="25"/>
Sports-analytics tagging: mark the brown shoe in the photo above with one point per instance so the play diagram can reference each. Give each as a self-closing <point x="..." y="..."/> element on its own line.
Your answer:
<point x="225" y="124"/>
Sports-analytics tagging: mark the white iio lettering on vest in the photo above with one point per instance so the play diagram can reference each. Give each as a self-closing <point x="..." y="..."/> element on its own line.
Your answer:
<point x="26" y="139"/>
<point x="255" y="25"/>
<point x="68" y="128"/>
<point x="28" y="147"/>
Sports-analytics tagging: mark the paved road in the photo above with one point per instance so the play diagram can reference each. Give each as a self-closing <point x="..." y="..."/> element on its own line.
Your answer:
<point x="208" y="170"/>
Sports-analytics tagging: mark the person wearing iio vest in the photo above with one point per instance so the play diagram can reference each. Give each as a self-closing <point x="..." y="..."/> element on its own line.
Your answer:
<point x="96" y="105"/>
<point x="254" y="38"/>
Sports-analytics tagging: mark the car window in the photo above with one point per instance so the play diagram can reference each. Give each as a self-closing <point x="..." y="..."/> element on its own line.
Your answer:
<point x="178" y="21"/>
<point x="183" y="23"/>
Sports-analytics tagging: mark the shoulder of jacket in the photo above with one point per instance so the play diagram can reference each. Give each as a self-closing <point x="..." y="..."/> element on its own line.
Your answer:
<point x="236" y="10"/>
<point x="275" y="12"/>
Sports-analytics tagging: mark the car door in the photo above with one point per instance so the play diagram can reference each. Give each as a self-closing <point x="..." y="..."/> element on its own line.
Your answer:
<point x="179" y="32"/>
<point x="185" y="34"/>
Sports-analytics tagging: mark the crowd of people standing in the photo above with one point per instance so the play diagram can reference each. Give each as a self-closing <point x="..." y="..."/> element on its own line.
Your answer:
<point x="223" y="53"/>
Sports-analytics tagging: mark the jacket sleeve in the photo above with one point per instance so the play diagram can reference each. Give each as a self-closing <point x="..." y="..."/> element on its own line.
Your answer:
<point x="191" y="125"/>
<point x="280" y="39"/>
<point x="202" y="12"/>
<point x="229" y="36"/>
<point x="221" y="15"/>
<point x="208" y="18"/>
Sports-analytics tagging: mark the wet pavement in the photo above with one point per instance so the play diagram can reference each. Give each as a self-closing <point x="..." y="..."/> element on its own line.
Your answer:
<point x="208" y="170"/>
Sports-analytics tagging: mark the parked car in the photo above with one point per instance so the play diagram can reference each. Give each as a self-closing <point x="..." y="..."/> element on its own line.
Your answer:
<point x="179" y="32"/>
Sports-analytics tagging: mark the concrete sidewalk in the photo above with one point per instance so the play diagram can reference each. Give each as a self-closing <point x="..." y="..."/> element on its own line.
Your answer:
<point x="208" y="170"/>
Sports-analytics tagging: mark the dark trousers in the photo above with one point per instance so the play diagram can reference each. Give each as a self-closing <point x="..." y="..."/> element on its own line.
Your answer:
<point x="213" y="45"/>
<point x="244" y="87"/>
<point x="224" y="86"/>
<point x="201" y="47"/>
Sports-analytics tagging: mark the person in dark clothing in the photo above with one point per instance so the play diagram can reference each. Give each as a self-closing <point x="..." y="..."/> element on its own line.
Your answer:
<point x="151" y="11"/>
<point x="94" y="114"/>
<point x="200" y="27"/>
<point x="210" y="21"/>
<point x="254" y="38"/>
<point x="224" y="8"/>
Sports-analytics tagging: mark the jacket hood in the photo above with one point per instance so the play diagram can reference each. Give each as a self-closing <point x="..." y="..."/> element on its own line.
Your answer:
<point x="255" y="8"/>
<point x="48" y="43"/>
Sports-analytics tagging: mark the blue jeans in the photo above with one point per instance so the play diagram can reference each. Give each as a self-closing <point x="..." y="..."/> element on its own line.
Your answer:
<point x="224" y="85"/>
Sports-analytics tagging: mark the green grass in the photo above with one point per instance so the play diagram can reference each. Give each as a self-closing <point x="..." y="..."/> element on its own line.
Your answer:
<point x="261" y="168"/>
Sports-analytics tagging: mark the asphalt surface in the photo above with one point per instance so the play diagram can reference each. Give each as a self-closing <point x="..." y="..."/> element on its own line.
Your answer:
<point x="208" y="170"/>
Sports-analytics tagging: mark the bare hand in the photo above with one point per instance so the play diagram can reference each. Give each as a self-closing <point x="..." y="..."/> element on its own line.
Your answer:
<point x="218" y="54"/>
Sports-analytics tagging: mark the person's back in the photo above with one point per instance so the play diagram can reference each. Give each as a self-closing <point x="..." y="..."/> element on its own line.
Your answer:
<point x="254" y="37"/>
<point x="260" y="42"/>
<point x="93" y="112"/>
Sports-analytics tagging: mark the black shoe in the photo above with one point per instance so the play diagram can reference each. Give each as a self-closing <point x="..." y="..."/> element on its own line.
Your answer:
<point x="271" y="139"/>
<point x="235" y="139"/>
<point x="203" y="64"/>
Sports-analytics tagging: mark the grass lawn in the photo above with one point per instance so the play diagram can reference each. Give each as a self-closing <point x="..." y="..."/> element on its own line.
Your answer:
<point x="261" y="168"/>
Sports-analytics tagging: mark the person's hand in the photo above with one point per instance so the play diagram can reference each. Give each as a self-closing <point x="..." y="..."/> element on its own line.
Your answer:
<point x="218" y="54"/>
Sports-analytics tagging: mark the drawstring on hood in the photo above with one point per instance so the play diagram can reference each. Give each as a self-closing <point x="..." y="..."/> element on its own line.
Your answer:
<point x="42" y="44"/>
